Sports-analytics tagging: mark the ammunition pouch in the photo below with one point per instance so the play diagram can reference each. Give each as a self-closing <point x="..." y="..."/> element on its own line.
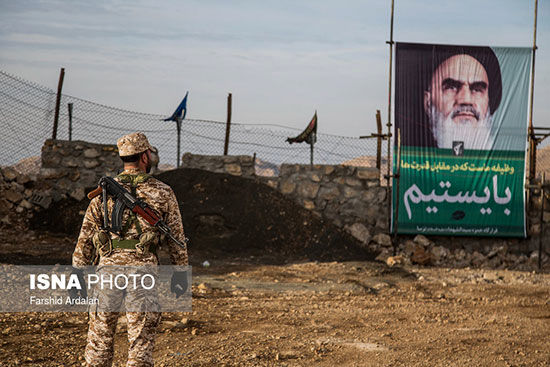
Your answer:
<point x="147" y="243"/>
<point x="102" y="242"/>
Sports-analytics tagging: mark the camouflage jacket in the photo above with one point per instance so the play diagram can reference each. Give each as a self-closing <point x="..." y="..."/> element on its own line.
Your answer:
<point x="161" y="198"/>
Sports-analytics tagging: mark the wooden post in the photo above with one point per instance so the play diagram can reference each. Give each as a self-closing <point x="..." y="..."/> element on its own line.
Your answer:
<point x="311" y="154"/>
<point x="397" y="179"/>
<point x="57" y="102"/>
<point x="70" y="108"/>
<point x="178" y="124"/>
<point x="543" y="198"/>
<point x="532" y="138"/>
<point x="228" y="126"/>
<point x="390" y="42"/>
<point x="378" y="140"/>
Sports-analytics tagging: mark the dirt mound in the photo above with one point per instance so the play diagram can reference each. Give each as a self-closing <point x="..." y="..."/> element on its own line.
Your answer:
<point x="232" y="215"/>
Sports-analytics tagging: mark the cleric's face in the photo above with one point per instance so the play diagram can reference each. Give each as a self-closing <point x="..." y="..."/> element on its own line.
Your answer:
<point x="459" y="90"/>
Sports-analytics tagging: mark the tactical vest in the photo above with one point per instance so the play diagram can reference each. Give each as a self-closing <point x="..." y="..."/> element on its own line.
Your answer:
<point x="134" y="244"/>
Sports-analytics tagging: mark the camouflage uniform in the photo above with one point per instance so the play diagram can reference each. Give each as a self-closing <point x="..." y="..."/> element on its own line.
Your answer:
<point x="141" y="325"/>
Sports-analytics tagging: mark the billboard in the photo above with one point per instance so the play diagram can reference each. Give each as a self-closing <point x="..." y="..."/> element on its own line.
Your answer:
<point x="462" y="116"/>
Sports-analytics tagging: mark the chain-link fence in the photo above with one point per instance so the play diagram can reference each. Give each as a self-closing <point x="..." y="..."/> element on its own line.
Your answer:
<point x="27" y="114"/>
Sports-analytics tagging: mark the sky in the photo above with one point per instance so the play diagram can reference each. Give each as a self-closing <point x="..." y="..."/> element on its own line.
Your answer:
<point x="281" y="60"/>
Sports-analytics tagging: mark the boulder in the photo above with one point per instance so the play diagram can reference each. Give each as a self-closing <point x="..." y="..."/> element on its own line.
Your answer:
<point x="422" y="240"/>
<point x="360" y="232"/>
<point x="383" y="239"/>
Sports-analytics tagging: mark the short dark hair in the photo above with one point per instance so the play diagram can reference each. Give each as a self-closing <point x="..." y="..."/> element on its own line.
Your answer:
<point x="132" y="158"/>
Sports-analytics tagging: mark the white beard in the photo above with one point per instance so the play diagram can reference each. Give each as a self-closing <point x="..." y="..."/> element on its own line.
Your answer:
<point x="475" y="135"/>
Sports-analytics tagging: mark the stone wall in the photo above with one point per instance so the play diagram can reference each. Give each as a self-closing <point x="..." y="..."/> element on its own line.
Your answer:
<point x="237" y="165"/>
<point x="71" y="168"/>
<point x="350" y="197"/>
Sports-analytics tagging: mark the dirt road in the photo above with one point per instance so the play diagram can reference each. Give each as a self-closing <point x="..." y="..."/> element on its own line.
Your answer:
<point x="323" y="314"/>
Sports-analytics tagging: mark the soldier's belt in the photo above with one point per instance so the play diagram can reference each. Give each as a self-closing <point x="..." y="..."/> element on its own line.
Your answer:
<point x="127" y="244"/>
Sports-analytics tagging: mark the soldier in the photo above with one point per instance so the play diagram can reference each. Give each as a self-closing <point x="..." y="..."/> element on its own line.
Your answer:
<point x="136" y="246"/>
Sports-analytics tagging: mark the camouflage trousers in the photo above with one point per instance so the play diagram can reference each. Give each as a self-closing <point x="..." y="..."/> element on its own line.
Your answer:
<point x="141" y="338"/>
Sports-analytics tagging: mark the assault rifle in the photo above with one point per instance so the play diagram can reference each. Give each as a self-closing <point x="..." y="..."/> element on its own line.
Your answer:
<point x="123" y="199"/>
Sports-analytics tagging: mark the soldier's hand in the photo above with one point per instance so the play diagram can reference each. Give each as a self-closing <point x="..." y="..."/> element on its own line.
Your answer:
<point x="74" y="292"/>
<point x="178" y="283"/>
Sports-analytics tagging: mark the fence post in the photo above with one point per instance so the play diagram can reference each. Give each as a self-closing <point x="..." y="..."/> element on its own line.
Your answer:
<point x="378" y="139"/>
<point x="228" y="126"/>
<point x="70" y="107"/>
<point x="57" y="102"/>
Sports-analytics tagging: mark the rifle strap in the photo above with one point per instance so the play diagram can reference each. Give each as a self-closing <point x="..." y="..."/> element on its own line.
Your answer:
<point x="133" y="181"/>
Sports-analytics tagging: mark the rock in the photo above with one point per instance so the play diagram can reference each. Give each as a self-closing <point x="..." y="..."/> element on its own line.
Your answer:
<point x="13" y="196"/>
<point x="91" y="163"/>
<point x="9" y="173"/>
<point x="382" y="224"/>
<point x="5" y="205"/>
<point x="360" y="232"/>
<point x="367" y="173"/>
<point x="78" y="194"/>
<point x="52" y="173"/>
<point x="204" y="287"/>
<point x="395" y="260"/>
<point x="381" y="196"/>
<point x="72" y="162"/>
<point x="499" y="251"/>
<point x="313" y="176"/>
<point x="287" y="187"/>
<point x="383" y="240"/>
<point x="372" y="214"/>
<point x="91" y="153"/>
<point x="23" y="179"/>
<point x="6" y="220"/>
<point x="546" y="217"/>
<point x="477" y="258"/>
<point x="535" y="229"/>
<point x="271" y="183"/>
<point x="25" y="204"/>
<point x="383" y="256"/>
<point x="409" y="248"/>
<point x="369" y="195"/>
<point x="308" y="190"/>
<point x="420" y="256"/>
<point x="329" y="170"/>
<point x="287" y="354"/>
<point x="423" y="241"/>
<point x="492" y="276"/>
<point x="74" y="176"/>
<point x="350" y="192"/>
<point x="17" y="187"/>
<point x="309" y="205"/>
<point x="233" y="169"/>
<point x="350" y="181"/>
<point x="440" y="253"/>
<point x="460" y="254"/>
<point x="329" y="192"/>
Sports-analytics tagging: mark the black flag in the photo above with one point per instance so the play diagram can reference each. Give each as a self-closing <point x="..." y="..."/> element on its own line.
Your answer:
<point x="309" y="135"/>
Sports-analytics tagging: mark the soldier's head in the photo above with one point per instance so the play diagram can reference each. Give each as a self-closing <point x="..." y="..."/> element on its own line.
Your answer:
<point x="135" y="151"/>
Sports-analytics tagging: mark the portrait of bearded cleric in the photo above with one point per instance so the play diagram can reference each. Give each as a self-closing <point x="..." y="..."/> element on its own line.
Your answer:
<point x="446" y="96"/>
